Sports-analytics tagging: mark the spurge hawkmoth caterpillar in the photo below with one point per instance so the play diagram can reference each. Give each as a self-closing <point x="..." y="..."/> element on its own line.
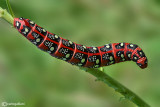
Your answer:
<point x="76" y="54"/>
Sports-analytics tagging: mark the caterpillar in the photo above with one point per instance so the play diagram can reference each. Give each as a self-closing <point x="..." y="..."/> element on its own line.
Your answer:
<point x="76" y="54"/>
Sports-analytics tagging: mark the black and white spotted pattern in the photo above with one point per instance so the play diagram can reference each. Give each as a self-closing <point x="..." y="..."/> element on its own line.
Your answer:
<point x="135" y="58"/>
<point x="18" y="25"/>
<point x="31" y="23"/>
<point x="38" y="39"/>
<point x="128" y="55"/>
<point x="106" y="48"/>
<point x="68" y="43"/>
<point x="132" y="46"/>
<point x="67" y="54"/>
<point x="53" y="37"/>
<point x="82" y="58"/>
<point x="109" y="57"/>
<point x="25" y="30"/>
<point x="141" y="53"/>
<point x="96" y="59"/>
<point x="41" y="30"/>
<point x="21" y="18"/>
<point x="82" y="48"/>
<point x="52" y="47"/>
<point x="93" y="50"/>
<point x="120" y="46"/>
<point x="121" y="55"/>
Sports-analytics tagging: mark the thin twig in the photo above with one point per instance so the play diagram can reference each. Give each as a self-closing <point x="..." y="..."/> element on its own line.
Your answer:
<point x="128" y="94"/>
<point x="9" y="8"/>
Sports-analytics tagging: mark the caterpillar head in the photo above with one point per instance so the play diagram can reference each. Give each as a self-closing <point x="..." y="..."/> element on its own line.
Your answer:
<point x="142" y="62"/>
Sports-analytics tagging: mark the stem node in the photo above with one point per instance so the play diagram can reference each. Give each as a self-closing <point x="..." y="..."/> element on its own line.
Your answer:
<point x="5" y="15"/>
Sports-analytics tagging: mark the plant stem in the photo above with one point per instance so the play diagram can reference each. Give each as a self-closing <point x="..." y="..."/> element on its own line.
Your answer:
<point x="128" y="94"/>
<point x="5" y="15"/>
<point x="9" y="8"/>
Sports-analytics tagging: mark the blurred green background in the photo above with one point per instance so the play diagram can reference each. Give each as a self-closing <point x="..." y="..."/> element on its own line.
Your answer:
<point x="34" y="77"/>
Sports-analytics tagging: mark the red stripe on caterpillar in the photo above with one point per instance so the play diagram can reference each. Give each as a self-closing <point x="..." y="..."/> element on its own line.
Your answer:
<point x="91" y="57"/>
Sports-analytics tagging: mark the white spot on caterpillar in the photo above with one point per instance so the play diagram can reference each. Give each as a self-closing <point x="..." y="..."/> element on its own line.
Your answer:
<point x="140" y="53"/>
<point x="129" y="55"/>
<point x="17" y="24"/>
<point x="52" y="48"/>
<point x="111" y="58"/>
<point x="122" y="56"/>
<point x="84" y="47"/>
<point x="71" y="42"/>
<point x="49" y="52"/>
<point x="121" y="44"/>
<point x="107" y="46"/>
<point x="97" y="61"/>
<point x="131" y="45"/>
<point x="83" y="60"/>
<point x="31" y="22"/>
<point x="96" y="66"/>
<point x="111" y="62"/>
<point x="37" y="40"/>
<point x="80" y="64"/>
<point x="68" y="55"/>
<point x="135" y="58"/>
<point x="44" y="30"/>
<point x="26" y="29"/>
<point x="56" y="36"/>
<point x="64" y="59"/>
<point x="94" y="48"/>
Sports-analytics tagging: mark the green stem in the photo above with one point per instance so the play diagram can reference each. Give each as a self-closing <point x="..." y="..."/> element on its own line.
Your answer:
<point x="128" y="94"/>
<point x="9" y="8"/>
<point x="5" y="15"/>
